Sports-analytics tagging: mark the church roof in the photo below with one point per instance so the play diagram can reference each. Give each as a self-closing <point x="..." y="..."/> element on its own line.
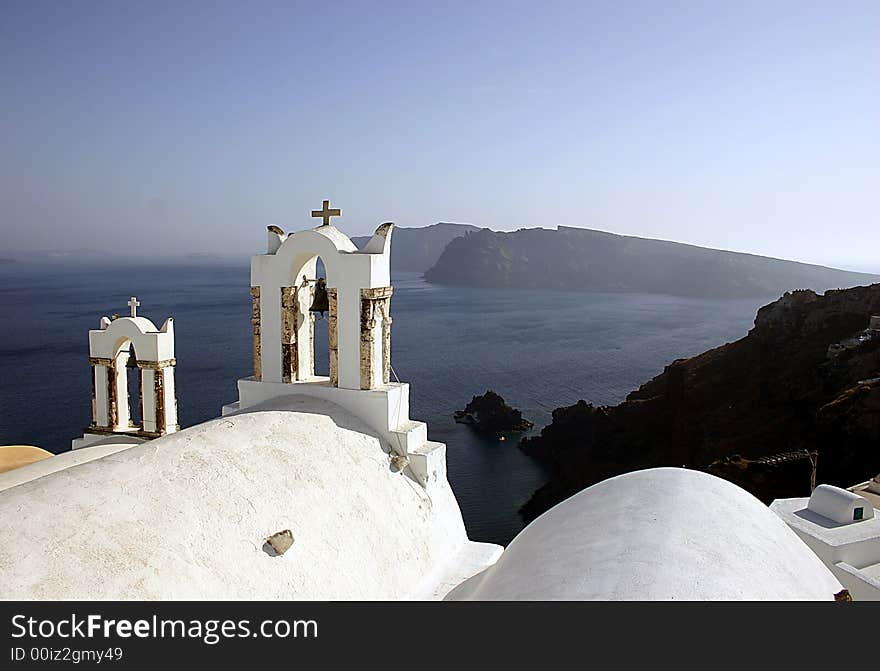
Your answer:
<point x="186" y="516"/>
<point x="663" y="533"/>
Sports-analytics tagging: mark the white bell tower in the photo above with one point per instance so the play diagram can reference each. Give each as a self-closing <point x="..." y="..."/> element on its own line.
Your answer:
<point x="358" y="285"/>
<point x="121" y="344"/>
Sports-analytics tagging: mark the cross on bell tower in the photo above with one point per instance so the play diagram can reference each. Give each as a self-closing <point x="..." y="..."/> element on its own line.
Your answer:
<point x="326" y="212"/>
<point x="133" y="304"/>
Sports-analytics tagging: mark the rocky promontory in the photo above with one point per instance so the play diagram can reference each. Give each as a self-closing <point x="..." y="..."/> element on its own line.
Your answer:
<point x="490" y="414"/>
<point x="804" y="382"/>
<point x="583" y="259"/>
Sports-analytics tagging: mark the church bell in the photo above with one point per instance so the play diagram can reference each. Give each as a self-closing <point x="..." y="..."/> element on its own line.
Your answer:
<point x="132" y="360"/>
<point x="321" y="303"/>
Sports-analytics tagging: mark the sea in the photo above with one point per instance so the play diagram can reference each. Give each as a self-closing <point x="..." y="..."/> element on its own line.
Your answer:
<point x="539" y="349"/>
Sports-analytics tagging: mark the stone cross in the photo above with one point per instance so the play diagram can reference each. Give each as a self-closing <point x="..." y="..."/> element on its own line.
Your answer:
<point x="133" y="304"/>
<point x="325" y="213"/>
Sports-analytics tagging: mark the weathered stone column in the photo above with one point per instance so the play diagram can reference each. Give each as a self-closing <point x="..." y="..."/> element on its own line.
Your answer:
<point x="368" y="326"/>
<point x="333" y="347"/>
<point x="255" y="322"/>
<point x="159" y="395"/>
<point x="159" y="404"/>
<point x="289" y="350"/>
<point x="372" y="362"/>
<point x="94" y="397"/>
<point x="170" y="401"/>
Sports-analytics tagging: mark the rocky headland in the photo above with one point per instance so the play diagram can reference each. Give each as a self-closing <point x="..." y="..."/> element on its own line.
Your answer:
<point x="804" y="382"/>
<point x="582" y="259"/>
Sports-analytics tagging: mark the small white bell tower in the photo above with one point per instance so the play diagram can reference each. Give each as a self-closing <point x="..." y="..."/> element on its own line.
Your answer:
<point x="121" y="344"/>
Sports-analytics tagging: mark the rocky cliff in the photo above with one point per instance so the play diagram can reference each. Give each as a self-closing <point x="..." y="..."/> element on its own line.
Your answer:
<point x="576" y="258"/>
<point x="805" y="379"/>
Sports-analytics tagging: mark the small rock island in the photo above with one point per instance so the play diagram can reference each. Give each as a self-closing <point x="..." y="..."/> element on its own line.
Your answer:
<point x="490" y="414"/>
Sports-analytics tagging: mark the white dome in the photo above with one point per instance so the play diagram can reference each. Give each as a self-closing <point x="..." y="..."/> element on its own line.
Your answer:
<point x="186" y="516"/>
<point x="663" y="534"/>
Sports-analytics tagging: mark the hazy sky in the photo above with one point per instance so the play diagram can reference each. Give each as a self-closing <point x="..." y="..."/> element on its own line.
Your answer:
<point x="181" y="127"/>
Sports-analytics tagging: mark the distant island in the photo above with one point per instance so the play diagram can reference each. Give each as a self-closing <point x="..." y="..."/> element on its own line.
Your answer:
<point x="584" y="259"/>
<point x="6" y="261"/>
<point x="802" y="388"/>
<point x="417" y="249"/>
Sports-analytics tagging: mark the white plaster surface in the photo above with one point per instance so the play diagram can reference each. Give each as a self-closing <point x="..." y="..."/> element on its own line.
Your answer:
<point x="96" y="449"/>
<point x="92" y="439"/>
<point x="797" y="514"/>
<point x="150" y="343"/>
<point x="658" y="534"/>
<point x="385" y="410"/>
<point x="185" y="516"/>
<point x="851" y="550"/>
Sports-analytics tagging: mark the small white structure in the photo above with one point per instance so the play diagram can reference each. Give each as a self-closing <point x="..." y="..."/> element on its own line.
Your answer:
<point x="841" y="528"/>
<point x="359" y="294"/>
<point x="123" y="343"/>
<point x="839" y="505"/>
<point x="875" y="323"/>
<point x="657" y="534"/>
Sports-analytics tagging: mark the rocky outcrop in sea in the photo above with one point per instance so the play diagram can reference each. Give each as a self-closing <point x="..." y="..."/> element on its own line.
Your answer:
<point x="490" y="414"/>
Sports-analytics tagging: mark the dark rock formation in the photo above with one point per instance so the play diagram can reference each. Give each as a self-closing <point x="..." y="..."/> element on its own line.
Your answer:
<point x="490" y="414"/>
<point x="417" y="249"/>
<point x="740" y="410"/>
<point x="583" y="259"/>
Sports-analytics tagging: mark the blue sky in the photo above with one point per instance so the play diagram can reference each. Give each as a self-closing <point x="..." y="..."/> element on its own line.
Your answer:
<point x="183" y="126"/>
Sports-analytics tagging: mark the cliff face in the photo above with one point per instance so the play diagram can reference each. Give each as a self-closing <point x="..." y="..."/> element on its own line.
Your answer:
<point x="417" y="249"/>
<point x="574" y="258"/>
<point x="775" y="391"/>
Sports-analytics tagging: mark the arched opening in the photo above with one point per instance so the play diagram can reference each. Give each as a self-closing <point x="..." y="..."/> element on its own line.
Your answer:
<point x="126" y="404"/>
<point x="307" y="336"/>
<point x="322" y="330"/>
<point x="135" y="387"/>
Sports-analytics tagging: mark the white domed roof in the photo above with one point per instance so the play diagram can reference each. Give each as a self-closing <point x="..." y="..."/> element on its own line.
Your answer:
<point x="663" y="533"/>
<point x="186" y="516"/>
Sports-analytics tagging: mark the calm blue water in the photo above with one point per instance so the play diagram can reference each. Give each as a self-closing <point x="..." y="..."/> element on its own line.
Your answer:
<point x="539" y="349"/>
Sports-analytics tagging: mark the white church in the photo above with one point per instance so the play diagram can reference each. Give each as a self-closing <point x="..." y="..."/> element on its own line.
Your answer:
<point x="311" y="487"/>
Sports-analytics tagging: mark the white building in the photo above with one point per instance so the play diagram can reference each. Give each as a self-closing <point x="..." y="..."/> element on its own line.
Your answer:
<point x="841" y="528"/>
